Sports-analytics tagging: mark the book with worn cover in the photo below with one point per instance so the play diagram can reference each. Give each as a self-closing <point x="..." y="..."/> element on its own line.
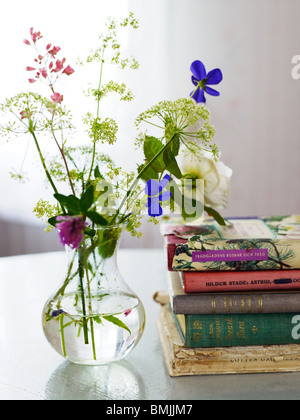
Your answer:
<point x="228" y="330"/>
<point x="269" y="243"/>
<point x="231" y="302"/>
<point x="182" y="361"/>
<point x="226" y="281"/>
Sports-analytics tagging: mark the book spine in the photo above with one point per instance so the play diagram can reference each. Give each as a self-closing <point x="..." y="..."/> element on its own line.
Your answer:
<point x="236" y="303"/>
<point x="241" y="330"/>
<point x="236" y="255"/>
<point x="195" y="282"/>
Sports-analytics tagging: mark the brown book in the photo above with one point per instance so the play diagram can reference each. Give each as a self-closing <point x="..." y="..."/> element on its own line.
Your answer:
<point x="182" y="361"/>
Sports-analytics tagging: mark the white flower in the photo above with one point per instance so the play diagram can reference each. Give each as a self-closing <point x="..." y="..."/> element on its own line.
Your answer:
<point x="216" y="177"/>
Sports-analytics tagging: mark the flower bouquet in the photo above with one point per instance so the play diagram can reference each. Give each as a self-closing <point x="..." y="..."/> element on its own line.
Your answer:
<point x="94" y="317"/>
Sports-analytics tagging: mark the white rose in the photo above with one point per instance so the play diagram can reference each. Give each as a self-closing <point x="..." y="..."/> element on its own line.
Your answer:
<point x="216" y="177"/>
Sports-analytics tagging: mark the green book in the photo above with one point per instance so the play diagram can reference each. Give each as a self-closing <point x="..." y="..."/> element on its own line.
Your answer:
<point x="239" y="330"/>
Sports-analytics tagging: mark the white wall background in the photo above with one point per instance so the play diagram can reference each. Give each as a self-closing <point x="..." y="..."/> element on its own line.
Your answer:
<point x="257" y="116"/>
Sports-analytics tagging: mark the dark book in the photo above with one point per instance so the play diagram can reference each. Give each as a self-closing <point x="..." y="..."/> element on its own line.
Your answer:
<point x="239" y="330"/>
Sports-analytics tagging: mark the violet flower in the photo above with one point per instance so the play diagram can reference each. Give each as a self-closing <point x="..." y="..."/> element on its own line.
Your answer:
<point x="201" y="79"/>
<point x="56" y="313"/>
<point x="71" y="230"/>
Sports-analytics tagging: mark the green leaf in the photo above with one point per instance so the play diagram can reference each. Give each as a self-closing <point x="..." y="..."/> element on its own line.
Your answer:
<point x="71" y="202"/>
<point x="97" y="173"/>
<point x="117" y="321"/>
<point x="97" y="319"/>
<point x="97" y="218"/>
<point x="52" y="221"/>
<point x="213" y="213"/>
<point x="150" y="173"/>
<point x="175" y="145"/>
<point x="152" y="146"/>
<point x="87" y="199"/>
<point x="171" y="163"/>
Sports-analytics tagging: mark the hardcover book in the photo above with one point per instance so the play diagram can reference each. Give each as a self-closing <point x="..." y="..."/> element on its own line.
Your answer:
<point x="222" y="330"/>
<point x="226" y="281"/>
<point x="231" y="302"/>
<point x="270" y="243"/>
<point x="182" y="361"/>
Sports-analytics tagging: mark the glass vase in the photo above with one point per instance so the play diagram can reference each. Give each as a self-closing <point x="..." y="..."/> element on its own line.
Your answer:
<point x="94" y="318"/>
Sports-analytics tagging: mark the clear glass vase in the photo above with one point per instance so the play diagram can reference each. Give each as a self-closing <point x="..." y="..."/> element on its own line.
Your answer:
<point x="94" y="318"/>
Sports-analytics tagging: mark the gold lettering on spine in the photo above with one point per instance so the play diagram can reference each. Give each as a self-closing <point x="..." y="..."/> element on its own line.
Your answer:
<point x="260" y="304"/>
<point x="225" y="304"/>
<point x="230" y="304"/>
<point x="218" y="330"/>
<point x="197" y="337"/>
<point x="213" y="305"/>
<point x="197" y="325"/>
<point x="211" y="331"/>
<point x="229" y="329"/>
<point x="243" y="304"/>
<point x="241" y="332"/>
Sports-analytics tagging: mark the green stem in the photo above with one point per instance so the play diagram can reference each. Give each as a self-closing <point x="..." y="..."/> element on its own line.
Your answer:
<point x="61" y="291"/>
<point x="198" y="86"/>
<point x="93" y="339"/>
<point x="65" y="162"/>
<point x="62" y="335"/>
<point x="90" y="304"/>
<point x="98" y="110"/>
<point x="43" y="162"/>
<point x="81" y="274"/>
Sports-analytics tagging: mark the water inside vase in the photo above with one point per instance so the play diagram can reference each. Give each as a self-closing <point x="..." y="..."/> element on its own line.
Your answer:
<point x="112" y="326"/>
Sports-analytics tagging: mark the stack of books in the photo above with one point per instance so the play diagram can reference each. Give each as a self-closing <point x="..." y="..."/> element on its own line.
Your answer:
<point x="233" y="296"/>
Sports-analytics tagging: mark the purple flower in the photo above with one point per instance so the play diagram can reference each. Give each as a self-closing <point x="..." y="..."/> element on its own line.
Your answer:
<point x="56" y="313"/>
<point x="71" y="230"/>
<point x="155" y="195"/>
<point x="201" y="80"/>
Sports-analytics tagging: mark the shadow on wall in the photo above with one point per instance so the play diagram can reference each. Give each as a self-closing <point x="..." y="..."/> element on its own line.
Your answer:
<point x="18" y="238"/>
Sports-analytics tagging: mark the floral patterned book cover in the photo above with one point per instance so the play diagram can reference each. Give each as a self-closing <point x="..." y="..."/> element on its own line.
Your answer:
<point x="252" y="243"/>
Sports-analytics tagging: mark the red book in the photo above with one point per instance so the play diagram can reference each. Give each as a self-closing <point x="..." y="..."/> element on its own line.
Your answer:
<point x="225" y="281"/>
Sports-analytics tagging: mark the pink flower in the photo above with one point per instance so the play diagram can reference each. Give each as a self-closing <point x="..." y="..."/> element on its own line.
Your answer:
<point x="31" y="80"/>
<point x="68" y="70"/>
<point x="59" y="65"/>
<point x="30" y="68"/>
<point x="43" y="72"/>
<point x="126" y="313"/>
<point x="26" y="42"/>
<point x="57" y="98"/>
<point x="35" y="35"/>
<point x="48" y="47"/>
<point x="71" y="230"/>
<point x="54" y="51"/>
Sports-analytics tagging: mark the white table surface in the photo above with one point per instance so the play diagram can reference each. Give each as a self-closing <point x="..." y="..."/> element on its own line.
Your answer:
<point x="31" y="370"/>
